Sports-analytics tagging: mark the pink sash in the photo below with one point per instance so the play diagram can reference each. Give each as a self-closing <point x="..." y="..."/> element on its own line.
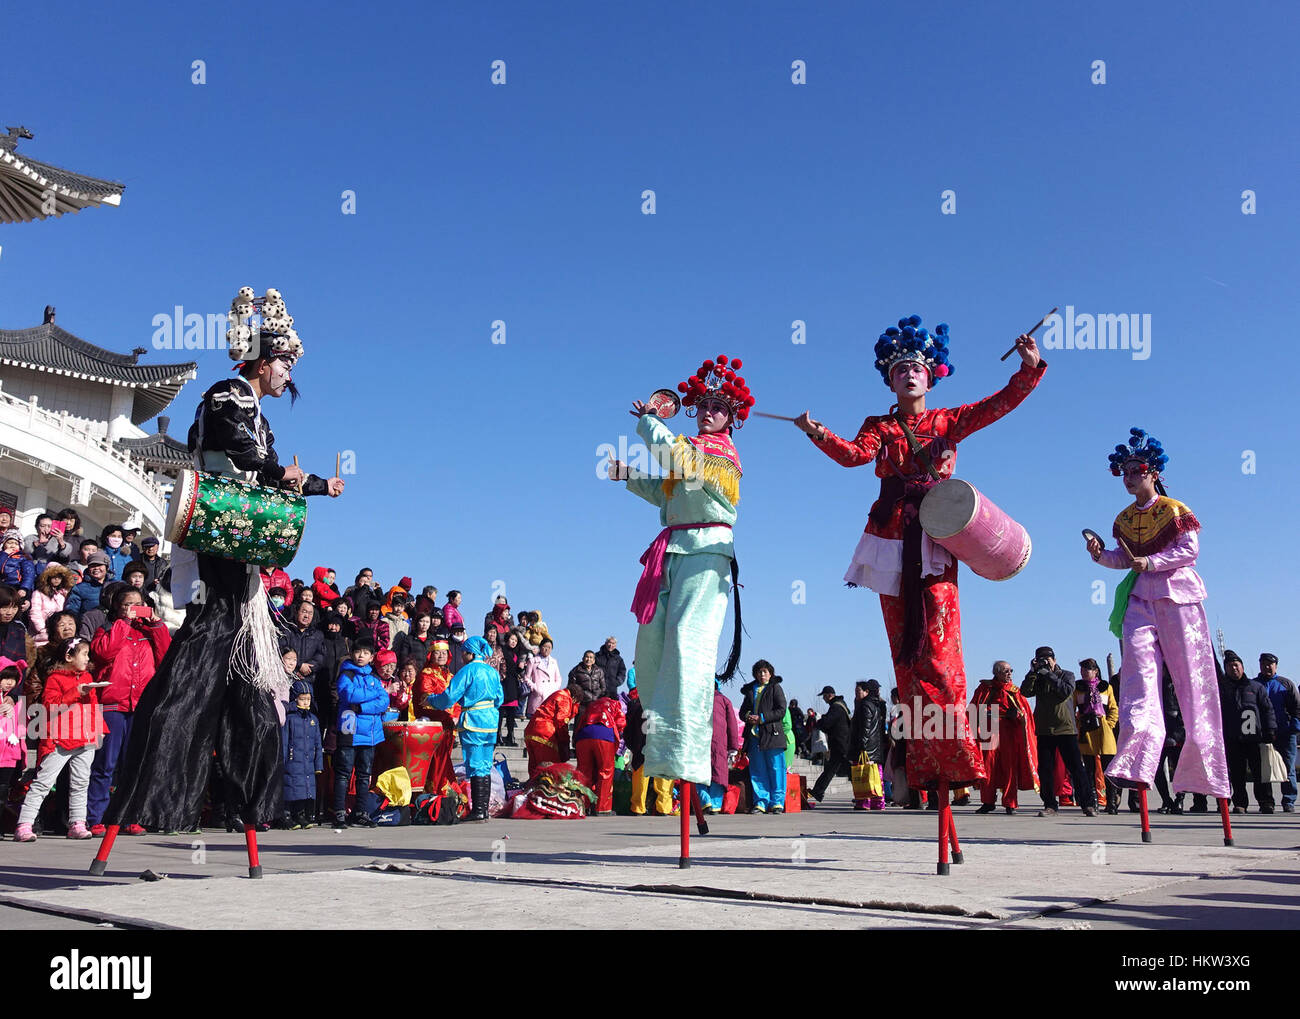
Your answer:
<point x="646" y="599"/>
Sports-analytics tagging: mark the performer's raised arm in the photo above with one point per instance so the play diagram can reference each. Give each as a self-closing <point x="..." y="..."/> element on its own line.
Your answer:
<point x="846" y="453"/>
<point x="972" y="417"/>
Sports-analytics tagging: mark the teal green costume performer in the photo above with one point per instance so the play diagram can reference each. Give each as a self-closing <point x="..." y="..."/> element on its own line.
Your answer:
<point x="477" y="685"/>
<point x="681" y="600"/>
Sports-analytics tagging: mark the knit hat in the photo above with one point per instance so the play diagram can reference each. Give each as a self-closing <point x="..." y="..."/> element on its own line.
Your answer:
<point x="300" y="687"/>
<point x="1268" y="658"/>
<point x="12" y="534"/>
<point x="1231" y="656"/>
<point x="385" y="656"/>
<point x="98" y="559"/>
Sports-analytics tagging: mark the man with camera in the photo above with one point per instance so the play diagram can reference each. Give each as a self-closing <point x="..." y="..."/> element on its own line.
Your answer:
<point x="1053" y="691"/>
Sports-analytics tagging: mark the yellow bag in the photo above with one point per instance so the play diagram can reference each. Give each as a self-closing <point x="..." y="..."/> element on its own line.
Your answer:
<point x="395" y="784"/>
<point x="867" y="782"/>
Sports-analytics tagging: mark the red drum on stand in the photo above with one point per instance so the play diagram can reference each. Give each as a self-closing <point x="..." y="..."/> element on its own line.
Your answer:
<point x="956" y="515"/>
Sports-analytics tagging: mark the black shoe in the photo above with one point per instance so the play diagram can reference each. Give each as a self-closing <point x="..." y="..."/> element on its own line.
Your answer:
<point x="1198" y="808"/>
<point x="1047" y="812"/>
<point x="1288" y="808"/>
<point x="1112" y="808"/>
<point x="360" y="820"/>
<point x="340" y="820"/>
<point x="987" y="808"/>
<point x="480" y="790"/>
<point x="1089" y="811"/>
<point x="1009" y="810"/>
<point x="1266" y="810"/>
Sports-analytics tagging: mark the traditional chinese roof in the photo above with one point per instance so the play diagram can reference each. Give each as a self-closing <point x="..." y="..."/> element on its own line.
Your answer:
<point x="26" y="184"/>
<point x="49" y="348"/>
<point x="159" y="452"/>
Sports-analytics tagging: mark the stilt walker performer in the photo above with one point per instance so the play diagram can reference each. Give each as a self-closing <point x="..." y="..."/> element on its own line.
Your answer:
<point x="214" y="689"/>
<point x="915" y="578"/>
<point x="1159" y="617"/>
<point x="681" y="599"/>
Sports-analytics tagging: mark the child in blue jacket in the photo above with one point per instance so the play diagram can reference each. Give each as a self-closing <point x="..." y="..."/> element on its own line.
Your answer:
<point x="362" y="703"/>
<point x="303" y="757"/>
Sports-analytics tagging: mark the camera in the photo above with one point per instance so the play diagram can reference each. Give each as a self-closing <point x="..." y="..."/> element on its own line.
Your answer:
<point x="1040" y="666"/>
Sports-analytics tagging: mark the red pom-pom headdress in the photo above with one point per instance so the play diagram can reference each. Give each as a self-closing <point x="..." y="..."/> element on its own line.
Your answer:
<point x="718" y="380"/>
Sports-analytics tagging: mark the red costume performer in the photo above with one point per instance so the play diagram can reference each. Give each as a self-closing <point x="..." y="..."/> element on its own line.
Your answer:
<point x="1011" y="758"/>
<point x="547" y="736"/>
<point x="916" y="579"/>
<point x="595" y="735"/>
<point x="434" y="679"/>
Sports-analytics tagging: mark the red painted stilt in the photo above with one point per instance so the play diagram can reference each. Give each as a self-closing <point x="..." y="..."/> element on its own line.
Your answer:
<point x="250" y="838"/>
<point x="100" y="863"/>
<point x="1146" y="819"/>
<point x="1227" y="825"/>
<point x="684" y="809"/>
<point x="701" y="825"/>
<point x="944" y="819"/>
<point x="952" y="837"/>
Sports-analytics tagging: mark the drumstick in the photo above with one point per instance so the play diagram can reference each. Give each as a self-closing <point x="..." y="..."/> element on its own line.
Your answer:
<point x="298" y="483"/>
<point x="338" y="460"/>
<point x="1030" y="333"/>
<point x="778" y="417"/>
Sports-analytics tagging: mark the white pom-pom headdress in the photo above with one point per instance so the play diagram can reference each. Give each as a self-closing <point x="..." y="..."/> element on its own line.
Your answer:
<point x="272" y="336"/>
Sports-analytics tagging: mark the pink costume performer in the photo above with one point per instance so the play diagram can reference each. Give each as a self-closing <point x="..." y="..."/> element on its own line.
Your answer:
<point x="1159" y="604"/>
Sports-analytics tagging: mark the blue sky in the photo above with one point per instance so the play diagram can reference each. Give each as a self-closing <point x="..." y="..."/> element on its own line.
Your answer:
<point x="476" y="462"/>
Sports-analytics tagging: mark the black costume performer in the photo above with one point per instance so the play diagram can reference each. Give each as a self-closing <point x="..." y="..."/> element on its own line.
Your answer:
<point x="213" y="690"/>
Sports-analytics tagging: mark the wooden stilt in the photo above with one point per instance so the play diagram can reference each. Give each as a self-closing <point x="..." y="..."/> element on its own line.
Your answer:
<point x="100" y="863"/>
<point x="943" y="813"/>
<point x="1146" y="818"/>
<point x="684" y="810"/>
<point x="1227" y="825"/>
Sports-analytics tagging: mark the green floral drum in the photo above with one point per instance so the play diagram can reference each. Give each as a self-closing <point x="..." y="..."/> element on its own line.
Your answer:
<point x="231" y="519"/>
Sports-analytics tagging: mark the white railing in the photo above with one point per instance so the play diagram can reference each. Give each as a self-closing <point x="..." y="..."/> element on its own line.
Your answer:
<point x="95" y="445"/>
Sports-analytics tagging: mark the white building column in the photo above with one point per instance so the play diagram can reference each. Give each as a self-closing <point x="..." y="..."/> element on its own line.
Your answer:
<point x="119" y="412"/>
<point x="35" y="501"/>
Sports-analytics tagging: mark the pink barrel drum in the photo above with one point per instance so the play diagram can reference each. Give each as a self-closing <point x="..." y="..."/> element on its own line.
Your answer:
<point x="969" y="525"/>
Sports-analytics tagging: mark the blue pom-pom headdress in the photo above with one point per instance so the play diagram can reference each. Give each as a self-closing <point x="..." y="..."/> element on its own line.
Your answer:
<point x="911" y="342"/>
<point x="1142" y="447"/>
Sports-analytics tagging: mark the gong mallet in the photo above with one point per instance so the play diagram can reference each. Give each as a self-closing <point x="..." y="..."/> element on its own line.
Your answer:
<point x="1030" y="333"/>
<point x="775" y="417"/>
<point x="298" y="483"/>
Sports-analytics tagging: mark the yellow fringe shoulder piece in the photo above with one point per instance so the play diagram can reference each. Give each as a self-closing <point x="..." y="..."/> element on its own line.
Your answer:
<point x="691" y="464"/>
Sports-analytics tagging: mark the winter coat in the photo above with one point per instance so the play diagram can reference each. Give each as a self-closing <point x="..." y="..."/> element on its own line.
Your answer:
<point x="1248" y="717"/>
<point x="117" y="560"/>
<point x="127" y="656"/>
<point x="836" y="723"/>
<point x="1286" y="704"/>
<point x="1098" y="741"/>
<point x="72" y="718"/>
<point x="612" y="665"/>
<point x="18" y="571"/>
<point x="300" y="741"/>
<point x="14" y="724"/>
<point x="47" y="551"/>
<point x="376" y="631"/>
<point x="44" y="606"/>
<point x="155" y="567"/>
<point x="768" y="702"/>
<point x="541" y="678"/>
<point x="13" y="641"/>
<point x="408" y="645"/>
<point x="276" y="578"/>
<point x="634" y="731"/>
<point x="361" y="596"/>
<point x="451" y="617"/>
<point x="398" y="627"/>
<point x="510" y="688"/>
<point x="868" y="734"/>
<point x="1053" y="694"/>
<point x="84" y="596"/>
<point x="726" y="736"/>
<point x="498" y="619"/>
<point x="362" y="703"/>
<point x="309" y="642"/>
<point x="590" y="683"/>
<point x="326" y="594"/>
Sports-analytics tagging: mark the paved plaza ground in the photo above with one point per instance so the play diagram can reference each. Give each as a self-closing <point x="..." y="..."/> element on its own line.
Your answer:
<point x="825" y="869"/>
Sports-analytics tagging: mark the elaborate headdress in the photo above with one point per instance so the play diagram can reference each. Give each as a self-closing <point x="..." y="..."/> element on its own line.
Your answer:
<point x="910" y="342"/>
<point x="1141" y="447"/>
<point x="275" y="333"/>
<point x="717" y="380"/>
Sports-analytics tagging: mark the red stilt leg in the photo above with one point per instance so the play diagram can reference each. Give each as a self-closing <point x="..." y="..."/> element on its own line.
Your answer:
<point x="1227" y="825"/>
<point x="944" y="817"/>
<point x="684" y="809"/>
<point x="250" y="838"/>
<point x="952" y="837"/>
<point x="100" y="863"/>
<point x="701" y="825"/>
<point x="1146" y="819"/>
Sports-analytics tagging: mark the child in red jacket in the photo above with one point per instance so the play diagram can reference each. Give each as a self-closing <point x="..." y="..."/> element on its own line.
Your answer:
<point x="596" y="735"/>
<point x="126" y="652"/>
<point x="72" y="728"/>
